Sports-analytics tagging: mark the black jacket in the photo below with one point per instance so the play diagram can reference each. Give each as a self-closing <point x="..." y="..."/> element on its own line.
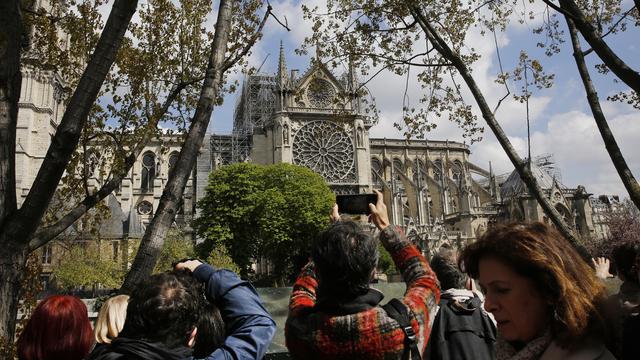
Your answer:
<point x="461" y="330"/>
<point x="130" y="349"/>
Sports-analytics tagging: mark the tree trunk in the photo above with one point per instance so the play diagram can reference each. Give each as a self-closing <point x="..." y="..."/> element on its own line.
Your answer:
<point x="606" y="54"/>
<point x="65" y="141"/>
<point x="12" y="269"/>
<point x="10" y="82"/>
<point x="521" y="166"/>
<point x="609" y="139"/>
<point x="153" y="239"/>
<point x="16" y="229"/>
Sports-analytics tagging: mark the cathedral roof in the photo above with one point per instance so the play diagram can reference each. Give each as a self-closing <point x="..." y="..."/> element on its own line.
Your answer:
<point x="514" y="185"/>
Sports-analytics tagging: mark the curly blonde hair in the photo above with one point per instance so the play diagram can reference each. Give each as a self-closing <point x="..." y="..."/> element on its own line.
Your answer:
<point x="538" y="252"/>
<point x="111" y="319"/>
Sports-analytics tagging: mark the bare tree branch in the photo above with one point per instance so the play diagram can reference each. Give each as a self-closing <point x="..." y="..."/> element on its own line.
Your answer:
<point x="619" y="162"/>
<point x="229" y="62"/>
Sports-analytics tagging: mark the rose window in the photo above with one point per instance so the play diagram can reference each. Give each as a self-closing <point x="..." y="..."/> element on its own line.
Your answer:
<point x="326" y="149"/>
<point x="320" y="93"/>
<point x="145" y="208"/>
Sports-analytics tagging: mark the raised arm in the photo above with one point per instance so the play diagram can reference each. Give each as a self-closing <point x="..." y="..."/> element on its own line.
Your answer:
<point x="303" y="295"/>
<point x="423" y="291"/>
<point x="250" y="328"/>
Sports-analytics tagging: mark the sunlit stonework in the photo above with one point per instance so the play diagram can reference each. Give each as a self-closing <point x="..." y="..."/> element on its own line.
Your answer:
<point x="326" y="149"/>
<point x="320" y="93"/>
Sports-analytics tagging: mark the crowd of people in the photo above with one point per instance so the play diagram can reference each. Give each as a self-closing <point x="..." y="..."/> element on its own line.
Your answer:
<point x="538" y="299"/>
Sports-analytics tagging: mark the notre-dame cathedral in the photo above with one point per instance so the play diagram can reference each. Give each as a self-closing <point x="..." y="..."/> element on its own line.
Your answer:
<point x="432" y="188"/>
<point x="315" y="119"/>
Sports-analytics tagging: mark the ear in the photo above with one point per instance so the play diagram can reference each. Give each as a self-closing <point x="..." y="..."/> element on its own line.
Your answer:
<point x="192" y="338"/>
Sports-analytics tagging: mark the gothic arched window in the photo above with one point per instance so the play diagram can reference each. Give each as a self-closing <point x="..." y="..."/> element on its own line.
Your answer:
<point x="419" y="170"/>
<point x="437" y="170"/>
<point x="376" y="173"/>
<point x="457" y="172"/>
<point x="398" y="168"/>
<point x="148" y="172"/>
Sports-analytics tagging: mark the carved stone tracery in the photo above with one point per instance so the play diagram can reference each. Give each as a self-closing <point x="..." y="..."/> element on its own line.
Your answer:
<point x="320" y="93"/>
<point x="327" y="149"/>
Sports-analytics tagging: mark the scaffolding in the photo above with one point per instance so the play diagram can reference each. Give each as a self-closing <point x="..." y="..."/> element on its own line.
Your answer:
<point x="230" y="149"/>
<point x="256" y="104"/>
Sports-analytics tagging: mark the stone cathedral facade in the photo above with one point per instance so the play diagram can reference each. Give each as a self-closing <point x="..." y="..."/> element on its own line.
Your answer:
<point x="432" y="188"/>
<point x="315" y="119"/>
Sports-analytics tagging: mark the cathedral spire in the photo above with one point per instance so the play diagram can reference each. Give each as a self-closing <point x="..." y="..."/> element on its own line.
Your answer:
<point x="282" y="68"/>
<point x="353" y="80"/>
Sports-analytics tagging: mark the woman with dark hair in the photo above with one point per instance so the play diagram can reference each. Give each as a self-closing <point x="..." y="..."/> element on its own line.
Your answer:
<point x="58" y="329"/>
<point x="211" y="332"/>
<point x="545" y="299"/>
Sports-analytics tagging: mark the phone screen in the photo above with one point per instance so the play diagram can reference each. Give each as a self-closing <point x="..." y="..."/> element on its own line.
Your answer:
<point x="355" y="204"/>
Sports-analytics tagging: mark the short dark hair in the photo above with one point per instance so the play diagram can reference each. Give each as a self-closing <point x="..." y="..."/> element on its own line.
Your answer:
<point x="165" y="308"/>
<point x="446" y="269"/>
<point x="344" y="255"/>
<point x="624" y="256"/>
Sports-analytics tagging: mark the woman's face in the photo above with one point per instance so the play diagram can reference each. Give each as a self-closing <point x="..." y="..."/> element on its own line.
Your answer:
<point x="518" y="307"/>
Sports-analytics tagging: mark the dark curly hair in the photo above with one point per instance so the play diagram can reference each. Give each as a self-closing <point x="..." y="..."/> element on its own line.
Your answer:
<point x="538" y="252"/>
<point x="344" y="255"/>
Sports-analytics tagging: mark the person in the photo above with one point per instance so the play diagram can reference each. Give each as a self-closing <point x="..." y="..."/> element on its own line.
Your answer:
<point x="211" y="332"/>
<point x="546" y="300"/>
<point x="334" y="314"/>
<point x="624" y="256"/>
<point x="110" y="319"/>
<point x="622" y="305"/>
<point x="59" y="328"/>
<point x="164" y="312"/>
<point x="631" y="324"/>
<point x="461" y="329"/>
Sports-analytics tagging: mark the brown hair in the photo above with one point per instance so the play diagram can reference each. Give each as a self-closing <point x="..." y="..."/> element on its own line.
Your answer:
<point x="565" y="281"/>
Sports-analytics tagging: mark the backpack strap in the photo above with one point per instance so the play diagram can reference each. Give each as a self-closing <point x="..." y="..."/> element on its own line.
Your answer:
<point x="398" y="311"/>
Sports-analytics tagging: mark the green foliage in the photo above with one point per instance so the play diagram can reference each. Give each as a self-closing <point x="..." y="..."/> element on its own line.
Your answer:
<point x="220" y="258"/>
<point x="177" y="245"/>
<point x="88" y="265"/>
<point x="263" y="211"/>
<point x="385" y="261"/>
<point x="92" y="264"/>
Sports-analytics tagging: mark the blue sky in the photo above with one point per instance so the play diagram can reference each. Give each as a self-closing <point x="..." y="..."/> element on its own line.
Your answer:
<point x="561" y="121"/>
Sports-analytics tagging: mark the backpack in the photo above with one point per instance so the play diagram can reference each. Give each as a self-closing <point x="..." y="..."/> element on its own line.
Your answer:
<point x="461" y="330"/>
<point x="398" y="311"/>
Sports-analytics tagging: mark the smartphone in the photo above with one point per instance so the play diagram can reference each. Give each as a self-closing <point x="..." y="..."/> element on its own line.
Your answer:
<point x="355" y="204"/>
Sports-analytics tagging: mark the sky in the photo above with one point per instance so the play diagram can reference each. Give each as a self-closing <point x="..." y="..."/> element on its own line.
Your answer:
<point x="561" y="121"/>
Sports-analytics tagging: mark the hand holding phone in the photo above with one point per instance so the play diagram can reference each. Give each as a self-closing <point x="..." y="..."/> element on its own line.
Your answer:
<point x="355" y="204"/>
<point x="379" y="216"/>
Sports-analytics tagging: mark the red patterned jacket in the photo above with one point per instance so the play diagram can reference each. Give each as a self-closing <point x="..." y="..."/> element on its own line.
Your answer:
<point x="369" y="334"/>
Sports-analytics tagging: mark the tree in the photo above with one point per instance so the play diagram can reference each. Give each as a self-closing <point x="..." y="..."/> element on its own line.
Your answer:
<point x="590" y="19"/>
<point x="230" y="45"/>
<point x="257" y="211"/>
<point x="93" y="264"/>
<point x="432" y="36"/>
<point x="161" y="58"/>
<point x="18" y="225"/>
<point x="219" y="257"/>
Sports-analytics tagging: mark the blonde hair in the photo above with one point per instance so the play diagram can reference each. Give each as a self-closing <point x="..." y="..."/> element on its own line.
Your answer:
<point x="111" y="319"/>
